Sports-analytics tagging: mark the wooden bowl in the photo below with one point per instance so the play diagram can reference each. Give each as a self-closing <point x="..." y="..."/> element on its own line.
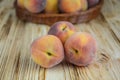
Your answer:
<point x="49" y="19"/>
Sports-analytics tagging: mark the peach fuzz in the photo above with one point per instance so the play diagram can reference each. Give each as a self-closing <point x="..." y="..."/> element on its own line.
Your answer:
<point x="80" y="49"/>
<point x="35" y="6"/>
<point x="62" y="29"/>
<point x="84" y="5"/>
<point x="51" y="6"/>
<point x="47" y="51"/>
<point x="92" y="3"/>
<point x="20" y="3"/>
<point x="69" y="5"/>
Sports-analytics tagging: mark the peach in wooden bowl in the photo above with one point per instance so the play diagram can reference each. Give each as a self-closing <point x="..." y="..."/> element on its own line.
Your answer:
<point x="52" y="15"/>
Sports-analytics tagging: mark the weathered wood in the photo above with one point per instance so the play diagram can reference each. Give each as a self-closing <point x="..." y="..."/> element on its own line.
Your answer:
<point x="16" y="37"/>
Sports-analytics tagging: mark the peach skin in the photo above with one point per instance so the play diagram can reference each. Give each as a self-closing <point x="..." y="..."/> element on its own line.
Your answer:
<point x="51" y="6"/>
<point x="62" y="29"/>
<point x="20" y="3"/>
<point x="69" y="6"/>
<point x="35" y="6"/>
<point x="84" y="4"/>
<point x="80" y="49"/>
<point x="47" y="51"/>
<point x="92" y="3"/>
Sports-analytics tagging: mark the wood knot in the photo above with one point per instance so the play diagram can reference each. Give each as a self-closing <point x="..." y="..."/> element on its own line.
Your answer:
<point x="103" y="57"/>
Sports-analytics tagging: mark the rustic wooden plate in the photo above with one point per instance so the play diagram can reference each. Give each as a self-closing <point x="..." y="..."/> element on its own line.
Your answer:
<point x="49" y="19"/>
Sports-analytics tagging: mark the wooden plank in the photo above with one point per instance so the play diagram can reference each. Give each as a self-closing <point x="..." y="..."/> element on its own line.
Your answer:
<point x="16" y="37"/>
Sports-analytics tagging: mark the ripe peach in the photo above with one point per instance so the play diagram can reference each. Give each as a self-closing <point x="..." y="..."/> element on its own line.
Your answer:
<point x="20" y="3"/>
<point x="62" y="29"/>
<point x="47" y="51"/>
<point x="35" y="6"/>
<point x="92" y="3"/>
<point x="51" y="6"/>
<point x="84" y="5"/>
<point x="80" y="49"/>
<point x="69" y="5"/>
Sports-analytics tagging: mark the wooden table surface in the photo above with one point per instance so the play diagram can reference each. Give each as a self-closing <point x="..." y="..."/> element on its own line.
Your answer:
<point x="16" y="37"/>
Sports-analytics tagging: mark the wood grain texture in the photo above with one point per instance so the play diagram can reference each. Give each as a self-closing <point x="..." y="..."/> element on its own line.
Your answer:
<point x="16" y="37"/>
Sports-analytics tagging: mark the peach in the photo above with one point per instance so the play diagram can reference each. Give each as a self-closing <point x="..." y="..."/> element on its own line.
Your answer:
<point x="20" y="3"/>
<point x="69" y="6"/>
<point x="92" y="3"/>
<point x="62" y="29"/>
<point x="80" y="49"/>
<point x="47" y="51"/>
<point x="35" y="6"/>
<point x="84" y="5"/>
<point x="51" y="6"/>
